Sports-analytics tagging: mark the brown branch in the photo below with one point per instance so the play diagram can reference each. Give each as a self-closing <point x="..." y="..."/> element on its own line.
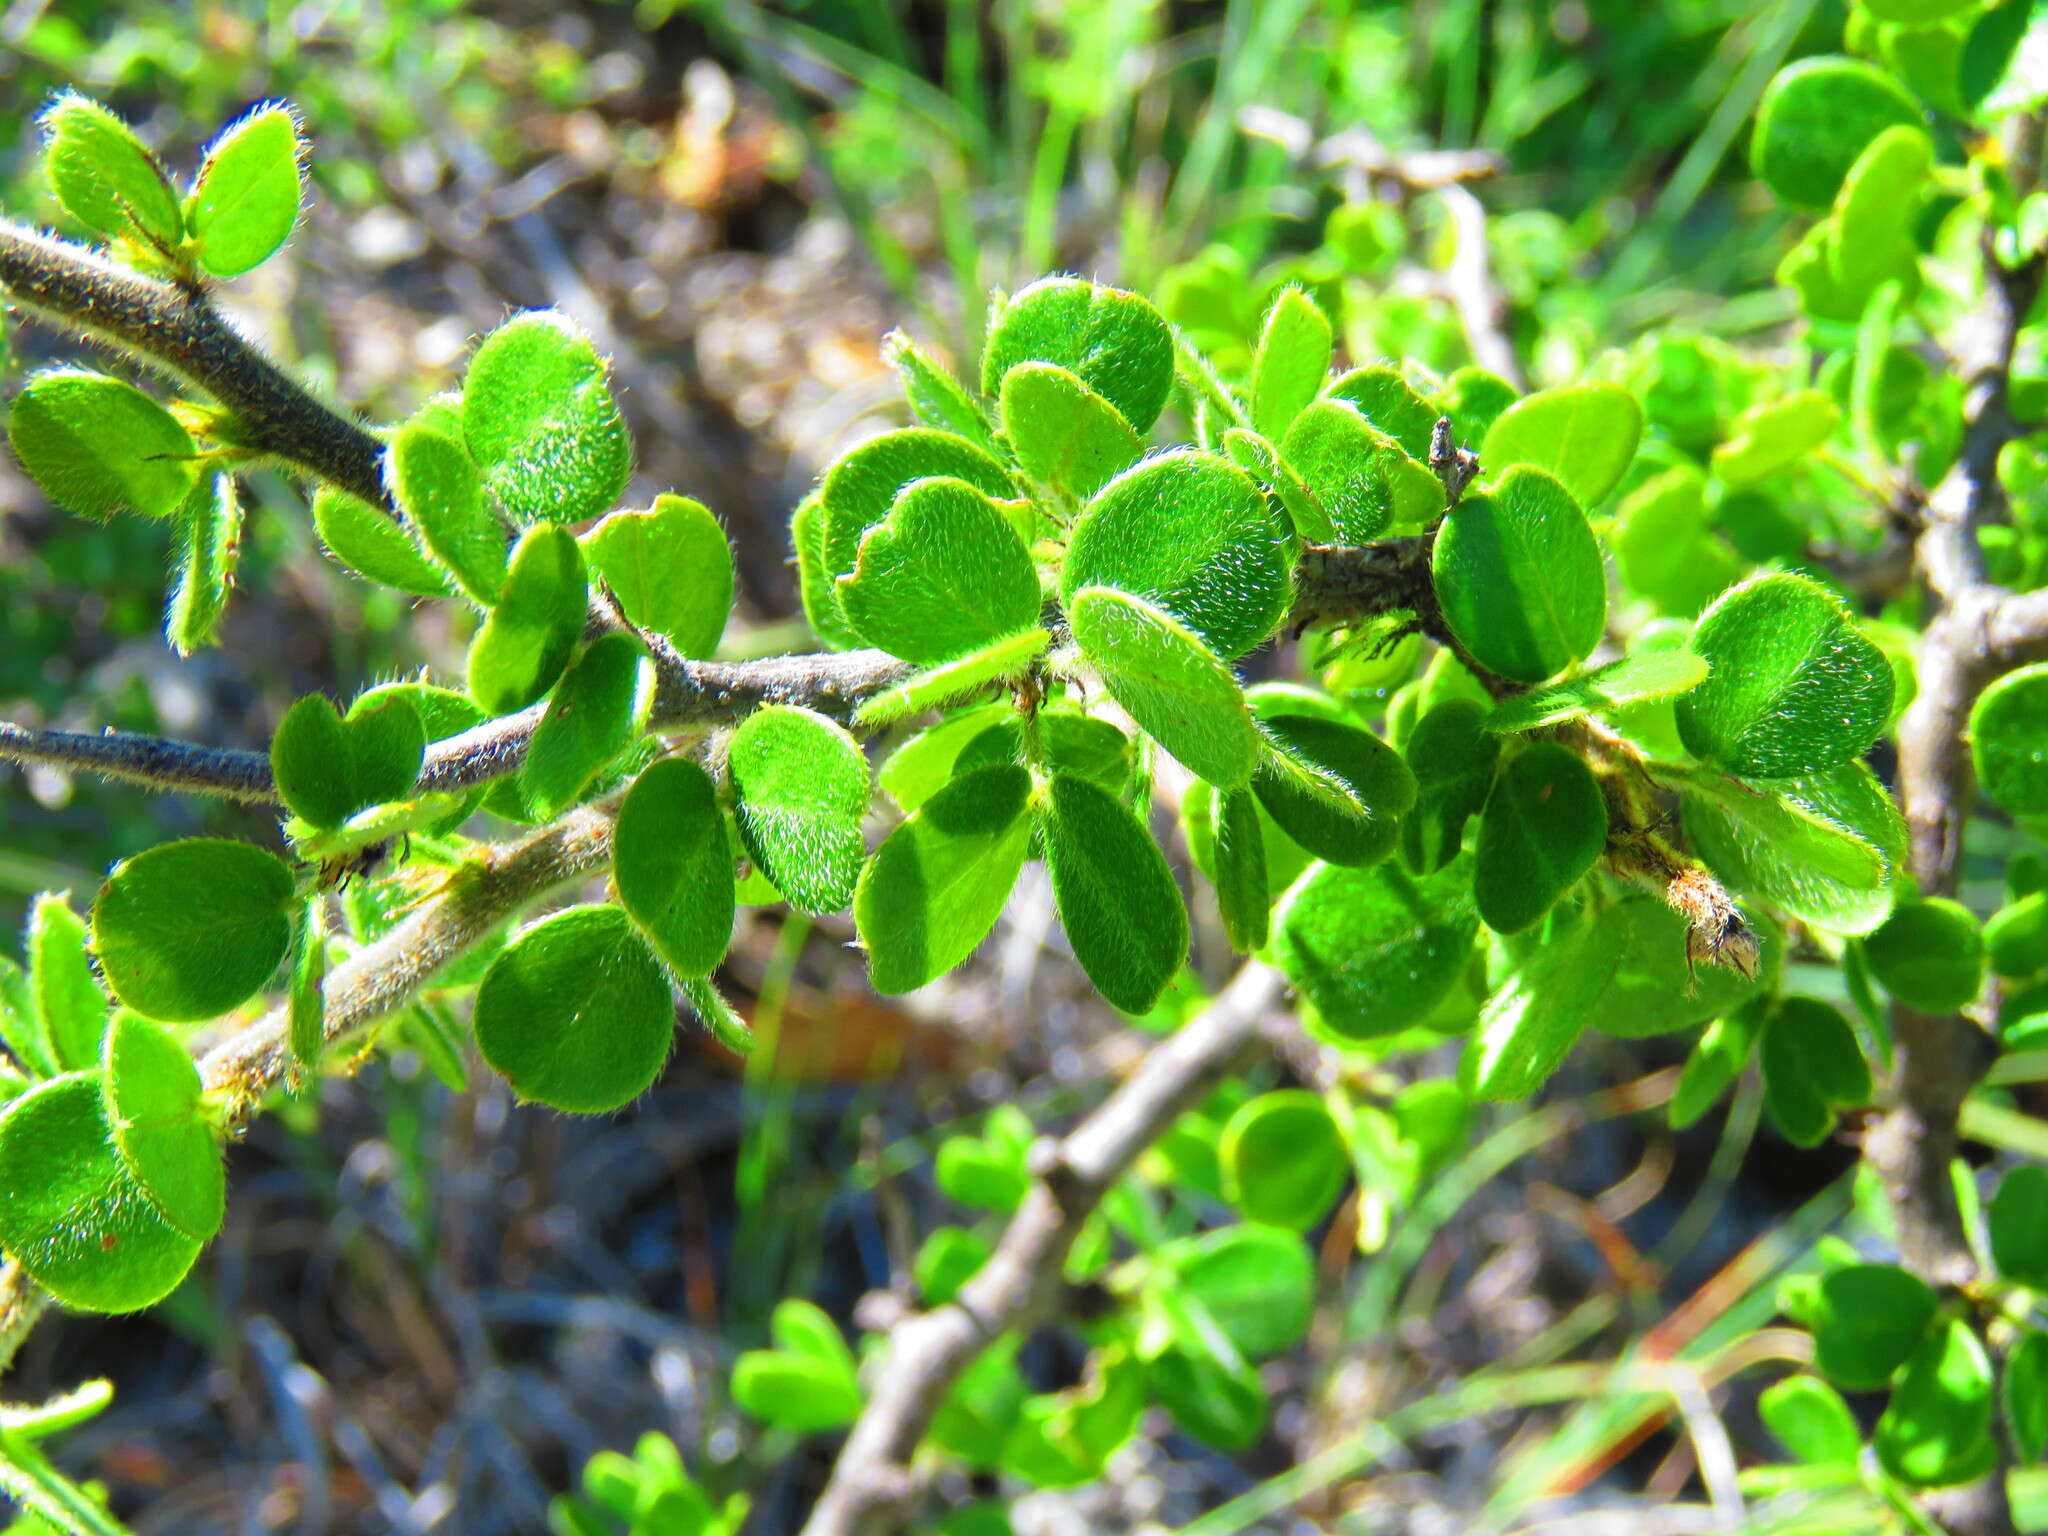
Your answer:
<point x="1973" y="631"/>
<point x="872" y="1480"/>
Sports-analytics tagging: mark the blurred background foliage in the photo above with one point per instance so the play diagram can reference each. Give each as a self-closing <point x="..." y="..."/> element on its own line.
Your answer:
<point x="428" y="1310"/>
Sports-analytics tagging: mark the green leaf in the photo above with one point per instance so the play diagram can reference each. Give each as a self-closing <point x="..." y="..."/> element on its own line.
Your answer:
<point x="815" y="585"/>
<point x="952" y="682"/>
<point x="1716" y="1061"/>
<point x="1214" y="1397"/>
<point x="528" y="638"/>
<point x="327" y="768"/>
<point x="1520" y="578"/>
<point x="597" y="710"/>
<point x="1065" y="435"/>
<point x="1256" y="1283"/>
<point x="575" y="1013"/>
<point x="153" y="1106"/>
<point x="436" y="485"/>
<point x="936" y="398"/>
<point x="802" y="787"/>
<point x="1529" y="1024"/>
<point x="1871" y="236"/>
<point x="2016" y="936"/>
<point x="1929" y="955"/>
<point x="717" y="1015"/>
<point x="1174" y="687"/>
<point x="70" y="1009"/>
<point x="1114" y="341"/>
<point x="1583" y="435"/>
<point x="2018" y="1218"/>
<point x="1258" y="458"/>
<point x="1915" y="13"/>
<point x="1474" y="400"/>
<point x="1345" y="463"/>
<point x="208" y="550"/>
<point x="1191" y="533"/>
<point x="1990" y="49"/>
<point x="306" y="1003"/>
<point x="947" y="1260"/>
<point x="1244" y="897"/>
<point x="942" y="576"/>
<point x="1812" y="1422"/>
<point x="98" y="446"/>
<point x="540" y="421"/>
<point x="2024" y="1387"/>
<point x="1823" y="848"/>
<point x="1544" y="826"/>
<point x="1284" y="1163"/>
<point x="1453" y="757"/>
<point x="188" y="930"/>
<point x="1335" y="788"/>
<point x="1391" y="404"/>
<point x="1868" y="1319"/>
<point x="1666" y="548"/>
<point x="21" y="1022"/>
<point x="670" y="568"/>
<point x="246" y="198"/>
<point x="808" y="1382"/>
<point x="1292" y="360"/>
<point x="936" y="886"/>
<point x="1117" y="899"/>
<point x="2009" y="741"/>
<point x="374" y="546"/>
<point x="859" y="490"/>
<point x="104" y="175"/>
<point x="1374" y="950"/>
<point x="1776" y="435"/>
<point x="1812" y="1066"/>
<point x="1796" y="686"/>
<point x="1815" y="119"/>
<point x="1936" y="1430"/>
<point x="71" y="1214"/>
<point x="1645" y="675"/>
<point x="673" y="869"/>
<point x="991" y="1171"/>
<point x="1655" y="988"/>
<point x="917" y="769"/>
<point x="1066" y="741"/>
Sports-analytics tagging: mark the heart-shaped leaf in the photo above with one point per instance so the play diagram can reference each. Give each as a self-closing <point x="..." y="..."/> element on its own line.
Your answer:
<point x="539" y="419"/>
<point x="1190" y="533"/>
<point x="187" y="930"/>
<point x="944" y="574"/>
<point x="858" y="491"/>
<point x="1345" y="463"/>
<point x="1584" y="435"/>
<point x="575" y="1013"/>
<point x="1812" y="1066"/>
<point x="1936" y="1430"/>
<point x="1867" y="1319"/>
<point x="808" y="1382"/>
<point x="72" y="1215"/>
<point x="670" y="568"/>
<point x="1114" y="341"/>
<point x="328" y="767"/>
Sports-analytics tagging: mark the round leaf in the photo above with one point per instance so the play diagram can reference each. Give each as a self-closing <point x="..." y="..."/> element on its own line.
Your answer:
<point x="1936" y="1430"/>
<point x="670" y="568"/>
<point x="1868" y="1319"/>
<point x="1929" y="955"/>
<point x="943" y="575"/>
<point x="1809" y="1417"/>
<point x="246" y="199"/>
<point x="1584" y="435"/>
<point x="575" y="1013"/>
<point x="1257" y="1283"/>
<point x="541" y="423"/>
<point x="1114" y="341"/>
<point x="1283" y="1161"/>
<point x="1520" y="578"/>
<point x="153" y="1107"/>
<point x="1178" y="691"/>
<point x="597" y="709"/>
<point x="1775" y="436"/>
<point x="2009" y="741"/>
<point x="1544" y="826"/>
<point x="72" y="1215"/>
<point x="1117" y="899"/>
<point x="938" y="883"/>
<point x="98" y="446"/>
<point x="1815" y="119"/>
<point x="1065" y="435"/>
<point x="1795" y="686"/>
<point x="188" y="930"/>
<point x="1189" y="532"/>
<point x="802" y="788"/>
<point x="2019" y="1226"/>
<point x="674" y="868"/>
<point x="1374" y="950"/>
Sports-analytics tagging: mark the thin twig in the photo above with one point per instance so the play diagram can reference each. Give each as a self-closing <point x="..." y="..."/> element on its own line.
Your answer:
<point x="925" y="1355"/>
